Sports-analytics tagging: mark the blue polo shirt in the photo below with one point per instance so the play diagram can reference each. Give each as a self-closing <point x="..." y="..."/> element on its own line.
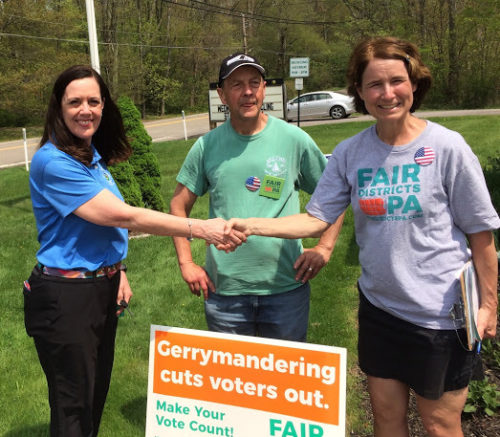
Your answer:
<point x="59" y="184"/>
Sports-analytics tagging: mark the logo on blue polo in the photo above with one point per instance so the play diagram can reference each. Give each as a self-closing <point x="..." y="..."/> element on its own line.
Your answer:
<point x="108" y="177"/>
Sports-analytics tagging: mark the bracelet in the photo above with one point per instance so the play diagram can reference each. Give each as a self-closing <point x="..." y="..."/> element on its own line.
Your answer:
<point x="190" y="238"/>
<point x="123" y="267"/>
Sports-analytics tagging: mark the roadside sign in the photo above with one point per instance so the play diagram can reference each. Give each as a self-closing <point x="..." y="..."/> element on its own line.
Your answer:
<point x="299" y="67"/>
<point x="204" y="382"/>
<point x="273" y="102"/>
<point x="299" y="83"/>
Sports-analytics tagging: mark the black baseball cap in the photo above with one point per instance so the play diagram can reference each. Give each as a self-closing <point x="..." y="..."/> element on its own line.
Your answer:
<point x="236" y="60"/>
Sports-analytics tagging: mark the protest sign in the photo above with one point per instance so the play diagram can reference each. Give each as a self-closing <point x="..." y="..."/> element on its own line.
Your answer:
<point x="204" y="383"/>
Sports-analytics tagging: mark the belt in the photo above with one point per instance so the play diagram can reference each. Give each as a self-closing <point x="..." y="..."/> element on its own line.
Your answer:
<point x="108" y="271"/>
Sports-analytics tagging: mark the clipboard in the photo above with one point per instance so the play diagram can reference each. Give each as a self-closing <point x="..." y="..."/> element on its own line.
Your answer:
<point x="470" y="303"/>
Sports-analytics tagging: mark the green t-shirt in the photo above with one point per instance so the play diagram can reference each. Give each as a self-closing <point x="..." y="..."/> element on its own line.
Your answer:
<point x="254" y="176"/>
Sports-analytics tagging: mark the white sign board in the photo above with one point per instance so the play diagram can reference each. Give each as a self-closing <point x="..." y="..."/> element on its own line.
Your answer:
<point x="273" y="101"/>
<point x="299" y="83"/>
<point x="204" y="383"/>
<point x="299" y="67"/>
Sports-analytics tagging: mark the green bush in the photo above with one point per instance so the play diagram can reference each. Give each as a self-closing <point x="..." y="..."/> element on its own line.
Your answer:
<point x="144" y="163"/>
<point x="492" y="175"/>
<point x="483" y="396"/>
<point x="12" y="119"/>
<point x="123" y="175"/>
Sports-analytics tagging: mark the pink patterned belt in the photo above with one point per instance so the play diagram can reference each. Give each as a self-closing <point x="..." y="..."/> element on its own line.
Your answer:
<point x="108" y="271"/>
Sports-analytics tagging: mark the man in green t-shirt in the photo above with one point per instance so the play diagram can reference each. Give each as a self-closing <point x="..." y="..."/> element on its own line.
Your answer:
<point x="252" y="166"/>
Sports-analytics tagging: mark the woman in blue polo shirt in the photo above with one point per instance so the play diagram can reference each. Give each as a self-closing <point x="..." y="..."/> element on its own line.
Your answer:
<point x="72" y="294"/>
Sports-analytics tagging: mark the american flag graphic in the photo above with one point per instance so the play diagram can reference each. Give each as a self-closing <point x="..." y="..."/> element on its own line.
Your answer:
<point x="252" y="183"/>
<point x="424" y="156"/>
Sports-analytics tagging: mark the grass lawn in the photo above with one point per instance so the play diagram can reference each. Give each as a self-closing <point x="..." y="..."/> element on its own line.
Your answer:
<point x="161" y="296"/>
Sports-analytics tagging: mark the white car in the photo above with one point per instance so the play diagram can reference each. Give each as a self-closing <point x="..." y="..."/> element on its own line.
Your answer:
<point x="320" y="104"/>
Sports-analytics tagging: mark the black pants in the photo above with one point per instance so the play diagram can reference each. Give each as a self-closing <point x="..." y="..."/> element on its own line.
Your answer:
<point x="73" y="324"/>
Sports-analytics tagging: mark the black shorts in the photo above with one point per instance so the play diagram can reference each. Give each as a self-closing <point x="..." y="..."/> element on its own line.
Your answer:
<point x="429" y="361"/>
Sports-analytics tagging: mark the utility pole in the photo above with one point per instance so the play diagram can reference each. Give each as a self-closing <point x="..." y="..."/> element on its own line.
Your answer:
<point x="244" y="33"/>
<point x="94" y="51"/>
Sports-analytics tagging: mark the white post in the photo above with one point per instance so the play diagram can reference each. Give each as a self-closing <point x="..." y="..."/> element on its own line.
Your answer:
<point x="94" y="51"/>
<point x="25" y="150"/>
<point x="184" y="123"/>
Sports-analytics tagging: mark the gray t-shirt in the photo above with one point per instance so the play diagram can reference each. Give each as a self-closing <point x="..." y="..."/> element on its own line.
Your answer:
<point x="413" y="205"/>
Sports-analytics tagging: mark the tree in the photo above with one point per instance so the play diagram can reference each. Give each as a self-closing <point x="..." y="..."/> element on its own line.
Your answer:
<point x="164" y="53"/>
<point x="34" y="49"/>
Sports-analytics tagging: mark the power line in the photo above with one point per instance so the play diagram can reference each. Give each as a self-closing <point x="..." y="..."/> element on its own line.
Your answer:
<point x="85" y="42"/>
<point x="74" y="26"/>
<point x="207" y="7"/>
<point x="78" y="26"/>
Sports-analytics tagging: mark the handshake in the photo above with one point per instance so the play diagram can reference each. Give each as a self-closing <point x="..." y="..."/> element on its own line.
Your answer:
<point x="225" y="235"/>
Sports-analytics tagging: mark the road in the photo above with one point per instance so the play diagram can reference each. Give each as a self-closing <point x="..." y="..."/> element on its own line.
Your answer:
<point x="12" y="152"/>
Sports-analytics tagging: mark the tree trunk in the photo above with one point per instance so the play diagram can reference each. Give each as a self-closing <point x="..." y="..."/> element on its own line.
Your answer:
<point x="109" y="23"/>
<point x="453" y="62"/>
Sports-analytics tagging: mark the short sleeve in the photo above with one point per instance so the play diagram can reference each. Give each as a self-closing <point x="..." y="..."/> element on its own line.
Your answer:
<point x="192" y="173"/>
<point x="66" y="184"/>
<point x="469" y="198"/>
<point x="312" y="165"/>
<point x="333" y="192"/>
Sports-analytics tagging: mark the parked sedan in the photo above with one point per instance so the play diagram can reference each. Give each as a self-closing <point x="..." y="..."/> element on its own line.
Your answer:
<point x="320" y="104"/>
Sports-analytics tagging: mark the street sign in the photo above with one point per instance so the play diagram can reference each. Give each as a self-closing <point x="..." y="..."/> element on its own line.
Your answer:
<point x="299" y="67"/>
<point x="299" y="83"/>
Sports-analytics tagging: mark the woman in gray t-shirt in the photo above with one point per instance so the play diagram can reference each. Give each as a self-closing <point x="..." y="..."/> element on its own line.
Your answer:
<point x="421" y="210"/>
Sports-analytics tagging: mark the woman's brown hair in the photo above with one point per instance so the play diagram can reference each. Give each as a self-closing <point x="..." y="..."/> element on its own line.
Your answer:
<point x="110" y="139"/>
<point x="387" y="48"/>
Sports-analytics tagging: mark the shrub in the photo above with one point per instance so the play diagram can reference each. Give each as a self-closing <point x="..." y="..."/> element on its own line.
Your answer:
<point x="144" y="163"/>
<point x="482" y="396"/>
<point x="123" y="174"/>
<point x="492" y="175"/>
<point x="13" y="119"/>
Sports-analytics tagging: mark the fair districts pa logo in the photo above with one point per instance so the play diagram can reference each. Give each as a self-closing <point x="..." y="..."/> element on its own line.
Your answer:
<point x="276" y="166"/>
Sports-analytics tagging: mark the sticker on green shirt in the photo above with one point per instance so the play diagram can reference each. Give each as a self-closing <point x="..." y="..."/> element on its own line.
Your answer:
<point x="272" y="187"/>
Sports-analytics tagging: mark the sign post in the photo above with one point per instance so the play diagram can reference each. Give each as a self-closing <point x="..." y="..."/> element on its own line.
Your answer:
<point x="299" y="85"/>
<point x="25" y="142"/>
<point x="240" y="386"/>
<point x="299" y="68"/>
<point x="184" y="124"/>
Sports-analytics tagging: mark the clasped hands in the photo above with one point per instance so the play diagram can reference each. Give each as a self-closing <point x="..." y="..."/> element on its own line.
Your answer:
<point x="233" y="233"/>
<point x="226" y="235"/>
